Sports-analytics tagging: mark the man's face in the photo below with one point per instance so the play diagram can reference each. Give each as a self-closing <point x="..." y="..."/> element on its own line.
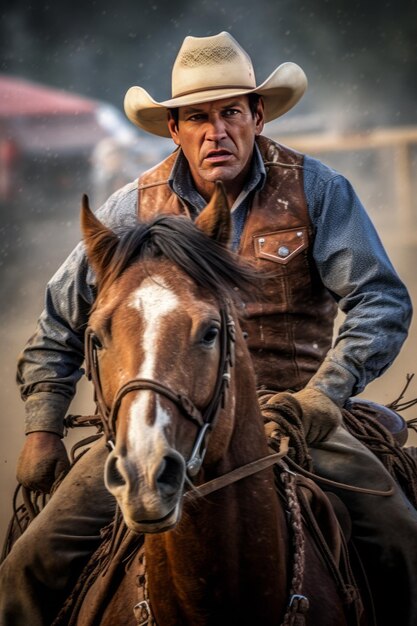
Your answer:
<point x="217" y="139"/>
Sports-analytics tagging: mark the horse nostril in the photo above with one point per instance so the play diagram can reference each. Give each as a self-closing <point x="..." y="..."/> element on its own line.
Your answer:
<point x="113" y="477"/>
<point x="170" y="475"/>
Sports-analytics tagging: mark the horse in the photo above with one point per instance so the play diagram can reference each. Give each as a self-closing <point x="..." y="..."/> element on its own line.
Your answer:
<point x="176" y="388"/>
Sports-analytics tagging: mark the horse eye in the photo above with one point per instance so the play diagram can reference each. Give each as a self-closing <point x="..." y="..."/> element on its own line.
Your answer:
<point x="210" y="336"/>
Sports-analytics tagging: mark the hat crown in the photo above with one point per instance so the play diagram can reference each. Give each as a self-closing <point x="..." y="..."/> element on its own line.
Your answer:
<point x="205" y="63"/>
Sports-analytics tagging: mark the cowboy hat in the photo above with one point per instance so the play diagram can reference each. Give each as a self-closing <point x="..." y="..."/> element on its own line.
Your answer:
<point x="212" y="68"/>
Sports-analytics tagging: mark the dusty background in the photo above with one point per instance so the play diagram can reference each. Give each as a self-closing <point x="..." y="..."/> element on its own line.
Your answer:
<point x="361" y="64"/>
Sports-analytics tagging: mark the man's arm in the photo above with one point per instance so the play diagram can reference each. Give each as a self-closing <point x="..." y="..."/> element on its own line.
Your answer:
<point x="48" y="371"/>
<point x="355" y="268"/>
<point x="49" y="366"/>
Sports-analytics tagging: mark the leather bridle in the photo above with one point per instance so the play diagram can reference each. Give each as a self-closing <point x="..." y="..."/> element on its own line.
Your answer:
<point x="204" y="419"/>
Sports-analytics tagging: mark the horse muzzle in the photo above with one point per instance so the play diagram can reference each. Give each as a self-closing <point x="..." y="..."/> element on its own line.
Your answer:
<point x="149" y="495"/>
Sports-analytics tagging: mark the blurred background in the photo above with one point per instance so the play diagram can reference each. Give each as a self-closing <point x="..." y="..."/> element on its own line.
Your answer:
<point x="64" y="70"/>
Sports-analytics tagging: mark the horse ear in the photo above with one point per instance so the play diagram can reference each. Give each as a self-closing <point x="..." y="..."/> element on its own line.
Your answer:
<point x="215" y="219"/>
<point x="100" y="242"/>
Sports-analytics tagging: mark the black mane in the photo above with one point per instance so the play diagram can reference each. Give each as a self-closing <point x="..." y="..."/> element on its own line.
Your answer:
<point x="207" y="262"/>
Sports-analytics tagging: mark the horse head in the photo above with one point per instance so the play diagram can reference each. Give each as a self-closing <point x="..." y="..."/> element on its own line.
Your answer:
<point x="160" y="347"/>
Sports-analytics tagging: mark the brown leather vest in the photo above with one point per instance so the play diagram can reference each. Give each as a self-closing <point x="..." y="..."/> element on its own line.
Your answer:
<point x="290" y="328"/>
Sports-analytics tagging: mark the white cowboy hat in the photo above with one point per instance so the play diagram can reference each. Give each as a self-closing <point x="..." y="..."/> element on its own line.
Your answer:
<point x="212" y="68"/>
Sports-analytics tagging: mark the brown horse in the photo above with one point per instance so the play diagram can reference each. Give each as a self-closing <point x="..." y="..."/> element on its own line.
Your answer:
<point x="175" y="382"/>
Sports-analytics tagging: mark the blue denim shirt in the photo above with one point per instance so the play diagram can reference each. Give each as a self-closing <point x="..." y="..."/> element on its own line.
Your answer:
<point x="350" y="259"/>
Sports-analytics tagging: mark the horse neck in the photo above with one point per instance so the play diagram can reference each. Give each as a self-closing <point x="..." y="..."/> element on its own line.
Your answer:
<point x="229" y="547"/>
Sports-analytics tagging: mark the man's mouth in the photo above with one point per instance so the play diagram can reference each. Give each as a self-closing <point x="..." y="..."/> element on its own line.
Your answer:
<point x="217" y="156"/>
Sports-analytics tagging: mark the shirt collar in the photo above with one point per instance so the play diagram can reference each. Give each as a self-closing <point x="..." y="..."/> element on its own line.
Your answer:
<point x="181" y="182"/>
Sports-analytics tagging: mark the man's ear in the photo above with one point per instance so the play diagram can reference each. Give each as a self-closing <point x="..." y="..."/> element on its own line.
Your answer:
<point x="259" y="117"/>
<point x="215" y="218"/>
<point x="173" y="128"/>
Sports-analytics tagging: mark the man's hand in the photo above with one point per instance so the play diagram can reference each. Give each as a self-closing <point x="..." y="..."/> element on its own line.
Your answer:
<point x="42" y="460"/>
<point x="319" y="415"/>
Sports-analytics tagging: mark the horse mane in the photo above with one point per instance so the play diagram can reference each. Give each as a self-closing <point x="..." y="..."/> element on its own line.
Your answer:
<point x="210" y="264"/>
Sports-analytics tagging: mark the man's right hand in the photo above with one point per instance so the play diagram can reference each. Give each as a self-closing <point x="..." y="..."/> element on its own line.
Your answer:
<point x="42" y="460"/>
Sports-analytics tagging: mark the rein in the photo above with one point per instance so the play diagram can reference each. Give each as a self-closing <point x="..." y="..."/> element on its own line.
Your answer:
<point x="239" y="473"/>
<point x="204" y="420"/>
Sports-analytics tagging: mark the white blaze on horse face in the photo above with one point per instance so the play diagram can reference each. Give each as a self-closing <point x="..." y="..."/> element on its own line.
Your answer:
<point x="154" y="300"/>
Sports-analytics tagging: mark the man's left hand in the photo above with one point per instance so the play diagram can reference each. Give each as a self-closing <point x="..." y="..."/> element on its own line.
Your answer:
<point x="318" y="413"/>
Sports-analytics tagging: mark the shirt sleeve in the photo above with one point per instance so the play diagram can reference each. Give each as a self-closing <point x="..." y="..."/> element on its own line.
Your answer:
<point x="50" y="364"/>
<point x="355" y="268"/>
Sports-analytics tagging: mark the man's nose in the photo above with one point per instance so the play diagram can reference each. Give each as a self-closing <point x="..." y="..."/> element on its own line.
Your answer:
<point x="216" y="128"/>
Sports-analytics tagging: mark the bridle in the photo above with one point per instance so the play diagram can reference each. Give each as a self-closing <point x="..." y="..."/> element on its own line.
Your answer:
<point x="204" y="420"/>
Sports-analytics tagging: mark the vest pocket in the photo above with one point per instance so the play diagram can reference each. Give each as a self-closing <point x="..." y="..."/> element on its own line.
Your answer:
<point x="281" y="256"/>
<point x="280" y="246"/>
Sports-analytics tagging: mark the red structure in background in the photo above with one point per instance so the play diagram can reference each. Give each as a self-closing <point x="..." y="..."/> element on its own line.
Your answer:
<point x="43" y="132"/>
<point x="23" y="98"/>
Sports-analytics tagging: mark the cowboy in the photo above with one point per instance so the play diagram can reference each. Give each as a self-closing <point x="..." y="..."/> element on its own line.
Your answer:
<point x="305" y="228"/>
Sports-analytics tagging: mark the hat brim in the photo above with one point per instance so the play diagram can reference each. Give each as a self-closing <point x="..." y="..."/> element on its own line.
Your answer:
<point x="280" y="92"/>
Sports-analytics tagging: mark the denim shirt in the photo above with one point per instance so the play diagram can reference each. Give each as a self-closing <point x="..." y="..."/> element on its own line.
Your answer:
<point x="349" y="256"/>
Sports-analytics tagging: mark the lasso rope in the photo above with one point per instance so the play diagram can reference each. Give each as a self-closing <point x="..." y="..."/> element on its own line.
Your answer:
<point x="281" y="420"/>
<point x="360" y="420"/>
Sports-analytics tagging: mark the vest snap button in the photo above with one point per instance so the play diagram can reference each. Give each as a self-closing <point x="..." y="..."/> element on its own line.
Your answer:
<point x="261" y="241"/>
<point x="299" y="233"/>
<point x="283" y="251"/>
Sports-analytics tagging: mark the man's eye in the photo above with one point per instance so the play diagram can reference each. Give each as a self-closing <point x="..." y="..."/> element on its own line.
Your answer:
<point x="231" y="112"/>
<point x="195" y="118"/>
